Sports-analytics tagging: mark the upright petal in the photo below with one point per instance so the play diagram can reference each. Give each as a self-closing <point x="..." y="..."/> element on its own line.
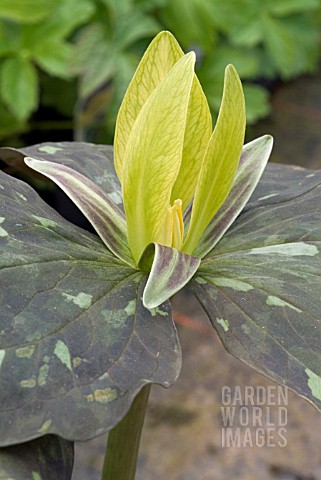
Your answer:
<point x="161" y="55"/>
<point x="221" y="159"/>
<point x="253" y="161"/>
<point x="197" y="135"/>
<point x="153" y="155"/>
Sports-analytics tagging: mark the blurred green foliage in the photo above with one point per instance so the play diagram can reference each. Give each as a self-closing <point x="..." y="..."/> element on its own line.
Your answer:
<point x="77" y="56"/>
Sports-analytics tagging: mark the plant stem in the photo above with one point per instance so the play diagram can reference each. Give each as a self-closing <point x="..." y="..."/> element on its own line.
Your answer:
<point x="123" y="441"/>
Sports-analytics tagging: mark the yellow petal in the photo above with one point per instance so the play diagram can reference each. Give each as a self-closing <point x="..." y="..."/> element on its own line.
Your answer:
<point x="161" y="55"/>
<point x="197" y="135"/>
<point x="153" y="155"/>
<point x="220" y="161"/>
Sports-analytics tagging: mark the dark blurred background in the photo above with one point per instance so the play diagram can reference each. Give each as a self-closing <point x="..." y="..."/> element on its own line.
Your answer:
<point x="65" y="64"/>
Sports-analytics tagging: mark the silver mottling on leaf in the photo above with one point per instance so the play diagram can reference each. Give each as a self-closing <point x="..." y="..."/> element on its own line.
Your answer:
<point x="22" y="196"/>
<point x="3" y="232"/>
<point x="62" y="352"/>
<point x="25" y="352"/>
<point x="43" y="373"/>
<point x="131" y="307"/>
<point x="45" y="222"/>
<point x="115" y="197"/>
<point x="267" y="196"/>
<point x="83" y="300"/>
<point x="314" y="383"/>
<point x="157" y="311"/>
<point x="231" y="283"/>
<point x="28" y="383"/>
<point x="76" y="361"/>
<point x="103" y="396"/>
<point x="200" y="280"/>
<point x="2" y="355"/>
<point x="49" y="149"/>
<point x="224" y="323"/>
<point x="45" y="426"/>
<point x="290" y="249"/>
<point x="278" y="302"/>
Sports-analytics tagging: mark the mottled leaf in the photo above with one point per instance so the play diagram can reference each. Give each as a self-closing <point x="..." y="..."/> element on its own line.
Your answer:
<point x="93" y="161"/>
<point x="292" y="182"/>
<point x="106" y="218"/>
<point x="153" y="155"/>
<point x="251" y="166"/>
<point x="47" y="458"/>
<point x="171" y="271"/>
<point x="76" y="342"/>
<point x="221" y="160"/>
<point x="261" y="284"/>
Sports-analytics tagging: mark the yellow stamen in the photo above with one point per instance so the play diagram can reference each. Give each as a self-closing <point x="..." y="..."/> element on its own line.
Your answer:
<point x="172" y="231"/>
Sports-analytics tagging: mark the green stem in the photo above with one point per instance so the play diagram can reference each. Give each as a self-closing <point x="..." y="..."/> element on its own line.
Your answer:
<point x="123" y="441"/>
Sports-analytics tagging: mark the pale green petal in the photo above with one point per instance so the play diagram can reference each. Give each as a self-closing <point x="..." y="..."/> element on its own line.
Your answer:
<point x="153" y="155"/>
<point x="161" y="55"/>
<point x="197" y="135"/>
<point x="220" y="161"/>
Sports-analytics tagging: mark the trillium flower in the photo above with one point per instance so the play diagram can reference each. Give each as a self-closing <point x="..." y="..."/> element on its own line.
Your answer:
<point x="182" y="185"/>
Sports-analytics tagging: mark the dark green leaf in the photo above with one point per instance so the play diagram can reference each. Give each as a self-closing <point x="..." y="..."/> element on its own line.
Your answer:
<point x="93" y="161"/>
<point x="106" y="218"/>
<point x="261" y="284"/>
<point x="47" y="458"/>
<point x="281" y="183"/>
<point x="76" y="343"/>
<point x="19" y="86"/>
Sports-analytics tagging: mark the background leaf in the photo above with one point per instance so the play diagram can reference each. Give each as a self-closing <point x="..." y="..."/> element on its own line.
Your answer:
<point x="27" y="10"/>
<point x="49" y="458"/>
<point x="76" y="341"/>
<point x="19" y="86"/>
<point x="261" y="284"/>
